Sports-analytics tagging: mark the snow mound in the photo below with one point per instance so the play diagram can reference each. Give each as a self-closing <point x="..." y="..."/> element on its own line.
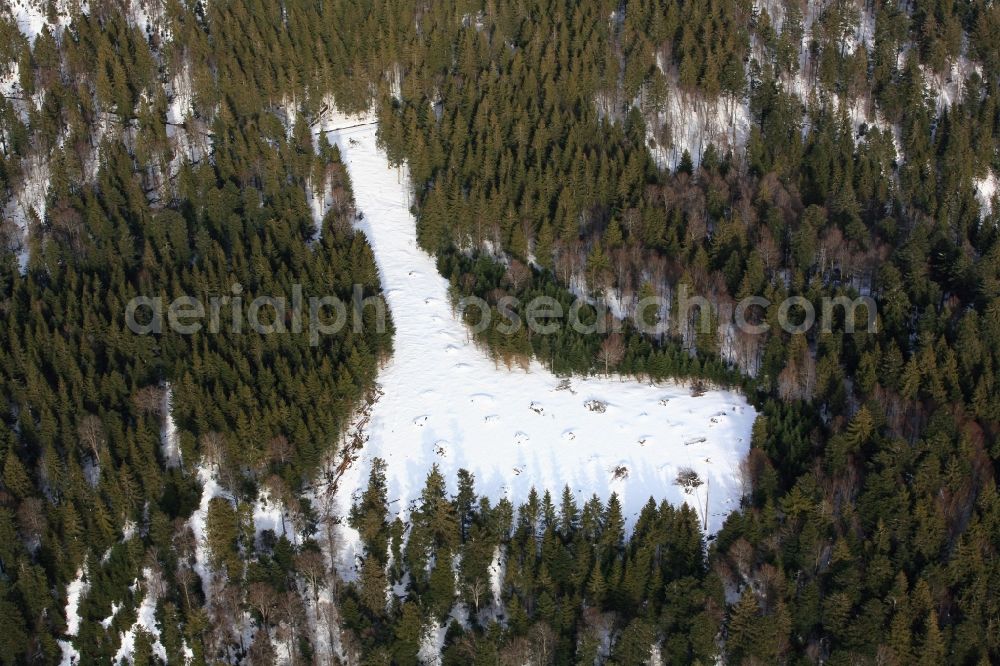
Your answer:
<point x="441" y="389"/>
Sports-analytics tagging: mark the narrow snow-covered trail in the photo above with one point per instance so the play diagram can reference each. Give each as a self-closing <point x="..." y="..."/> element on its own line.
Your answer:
<point x="446" y="402"/>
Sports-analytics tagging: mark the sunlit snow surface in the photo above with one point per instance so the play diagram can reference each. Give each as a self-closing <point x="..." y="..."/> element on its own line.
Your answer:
<point x="446" y="402"/>
<point x="75" y="591"/>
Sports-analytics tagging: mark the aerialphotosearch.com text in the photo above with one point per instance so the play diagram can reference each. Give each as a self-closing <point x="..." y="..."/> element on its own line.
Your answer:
<point x="543" y="315"/>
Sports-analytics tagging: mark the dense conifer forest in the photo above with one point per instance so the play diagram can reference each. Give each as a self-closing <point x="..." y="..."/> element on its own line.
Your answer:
<point x="167" y="147"/>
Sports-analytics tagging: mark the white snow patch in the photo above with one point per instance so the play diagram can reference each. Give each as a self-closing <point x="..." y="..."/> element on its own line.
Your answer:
<point x="612" y="298"/>
<point x="29" y="202"/>
<point x="498" y="567"/>
<point x="10" y="83"/>
<point x="70" y="655"/>
<point x="323" y="620"/>
<point x="289" y="111"/>
<point x="320" y="200"/>
<point x="986" y="191"/>
<point x="655" y="655"/>
<point x="431" y="644"/>
<point x="75" y="591"/>
<point x="863" y="34"/>
<point x="331" y="119"/>
<point x="210" y="490"/>
<point x="394" y="76"/>
<point x="30" y="17"/>
<point x="146" y="619"/>
<point x="181" y="103"/>
<point x="322" y="614"/>
<point x="695" y="122"/>
<point x="436" y="366"/>
<point x="269" y="514"/>
<point x="948" y="87"/>
<point x="189" y="137"/>
<point x="148" y="16"/>
<point x="169" y="439"/>
<point x="115" y="607"/>
<point x="91" y="470"/>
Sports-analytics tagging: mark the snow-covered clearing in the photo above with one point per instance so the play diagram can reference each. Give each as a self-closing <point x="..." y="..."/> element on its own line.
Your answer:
<point x="445" y="402"/>
<point x="10" y="85"/>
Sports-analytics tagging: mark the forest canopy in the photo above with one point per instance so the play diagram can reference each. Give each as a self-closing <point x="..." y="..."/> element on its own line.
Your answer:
<point x="777" y="148"/>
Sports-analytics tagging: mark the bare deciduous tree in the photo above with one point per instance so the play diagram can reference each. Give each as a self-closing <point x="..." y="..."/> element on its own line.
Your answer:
<point x="148" y="400"/>
<point x="612" y="351"/>
<point x="279" y="450"/>
<point x="797" y="381"/>
<point x="752" y="469"/>
<point x="330" y="520"/>
<point x="517" y="274"/>
<point x="291" y="616"/>
<point x="340" y="635"/>
<point x="741" y="554"/>
<point x="280" y="494"/>
<point x="213" y="447"/>
<point x="91" y="433"/>
<point x="543" y="643"/>
<point x="516" y="652"/>
<point x="261" y="651"/>
<point x="690" y="482"/>
<point x="185" y="577"/>
<point x="311" y="565"/>
<point x="476" y="589"/>
<point x="213" y="451"/>
<point x="31" y="520"/>
<point x="224" y="634"/>
<point x="262" y="598"/>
